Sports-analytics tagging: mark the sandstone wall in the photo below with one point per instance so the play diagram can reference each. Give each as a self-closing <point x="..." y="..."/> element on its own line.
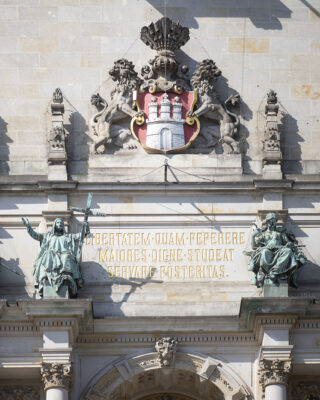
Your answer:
<point x="72" y="44"/>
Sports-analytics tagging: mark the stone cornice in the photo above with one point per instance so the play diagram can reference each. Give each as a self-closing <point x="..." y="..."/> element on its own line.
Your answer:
<point x="275" y="311"/>
<point x="74" y="315"/>
<point x="246" y="183"/>
<point x="236" y="339"/>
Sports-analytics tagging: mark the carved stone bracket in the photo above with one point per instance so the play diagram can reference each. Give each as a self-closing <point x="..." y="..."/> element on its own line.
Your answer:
<point x="56" y="375"/>
<point x="166" y="349"/>
<point x="273" y="372"/>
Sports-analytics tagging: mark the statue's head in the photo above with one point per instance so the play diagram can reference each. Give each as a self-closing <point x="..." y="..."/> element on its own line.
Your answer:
<point x="58" y="226"/>
<point x="271" y="219"/>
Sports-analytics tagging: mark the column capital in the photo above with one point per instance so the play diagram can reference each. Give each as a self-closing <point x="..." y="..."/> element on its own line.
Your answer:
<point x="56" y="375"/>
<point x="273" y="372"/>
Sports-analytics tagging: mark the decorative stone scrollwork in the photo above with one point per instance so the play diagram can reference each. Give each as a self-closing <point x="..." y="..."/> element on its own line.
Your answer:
<point x="166" y="349"/>
<point x="272" y="136"/>
<point x="57" y="147"/>
<point x="274" y="372"/>
<point x="164" y="83"/>
<point x="56" y="375"/>
<point x="272" y="154"/>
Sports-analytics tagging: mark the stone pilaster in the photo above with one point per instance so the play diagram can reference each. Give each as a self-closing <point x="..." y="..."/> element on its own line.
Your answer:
<point x="274" y="372"/>
<point x="56" y="375"/>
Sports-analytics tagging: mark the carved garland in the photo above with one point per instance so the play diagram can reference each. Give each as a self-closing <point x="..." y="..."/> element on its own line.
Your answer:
<point x="56" y="375"/>
<point x="274" y="372"/>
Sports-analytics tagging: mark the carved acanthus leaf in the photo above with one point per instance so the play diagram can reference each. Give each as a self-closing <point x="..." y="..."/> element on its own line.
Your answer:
<point x="274" y="372"/>
<point x="56" y="375"/>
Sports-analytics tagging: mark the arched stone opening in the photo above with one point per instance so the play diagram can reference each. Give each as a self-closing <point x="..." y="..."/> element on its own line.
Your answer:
<point x="190" y="377"/>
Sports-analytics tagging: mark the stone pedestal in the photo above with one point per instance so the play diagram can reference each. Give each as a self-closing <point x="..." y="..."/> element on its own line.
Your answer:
<point x="50" y="293"/>
<point x="272" y="171"/>
<point x="181" y="167"/>
<point x="273" y="290"/>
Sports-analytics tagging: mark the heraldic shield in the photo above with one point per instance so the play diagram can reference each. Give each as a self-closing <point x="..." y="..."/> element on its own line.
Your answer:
<point x="164" y="123"/>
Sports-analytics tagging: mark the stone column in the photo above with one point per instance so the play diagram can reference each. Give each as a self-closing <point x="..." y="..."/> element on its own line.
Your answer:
<point x="273" y="378"/>
<point x="57" y="380"/>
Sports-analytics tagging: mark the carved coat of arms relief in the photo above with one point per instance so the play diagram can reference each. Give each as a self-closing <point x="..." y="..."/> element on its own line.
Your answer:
<point x="162" y="111"/>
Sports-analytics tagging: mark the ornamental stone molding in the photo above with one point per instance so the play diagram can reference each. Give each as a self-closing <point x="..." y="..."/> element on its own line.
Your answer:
<point x="166" y="349"/>
<point x="56" y="375"/>
<point x="142" y="375"/>
<point x="57" y="146"/>
<point x="274" y="372"/>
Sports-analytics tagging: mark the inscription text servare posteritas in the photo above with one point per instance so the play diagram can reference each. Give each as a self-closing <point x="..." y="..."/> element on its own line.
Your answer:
<point x="183" y="255"/>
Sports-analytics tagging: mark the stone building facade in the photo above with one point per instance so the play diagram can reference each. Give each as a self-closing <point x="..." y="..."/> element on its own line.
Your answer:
<point x="168" y="309"/>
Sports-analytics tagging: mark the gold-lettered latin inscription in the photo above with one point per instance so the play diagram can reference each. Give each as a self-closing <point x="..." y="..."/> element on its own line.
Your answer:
<point x="169" y="255"/>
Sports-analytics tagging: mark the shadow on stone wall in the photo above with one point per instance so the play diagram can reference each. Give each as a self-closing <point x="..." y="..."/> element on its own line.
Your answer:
<point x="309" y="273"/>
<point x="4" y="148"/>
<point x="263" y="14"/>
<point x="106" y="302"/>
<point x="77" y="144"/>
<point x="290" y="145"/>
<point x="12" y="279"/>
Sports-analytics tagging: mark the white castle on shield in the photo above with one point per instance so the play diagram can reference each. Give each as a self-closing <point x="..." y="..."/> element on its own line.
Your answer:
<point x="165" y="132"/>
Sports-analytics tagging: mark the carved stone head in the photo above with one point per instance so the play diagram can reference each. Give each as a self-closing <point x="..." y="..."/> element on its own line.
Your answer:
<point x="166" y="349"/>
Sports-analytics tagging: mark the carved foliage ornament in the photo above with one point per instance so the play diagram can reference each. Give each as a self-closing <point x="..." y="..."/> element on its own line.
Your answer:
<point x="271" y="142"/>
<point x="164" y="104"/>
<point x="274" y="372"/>
<point x="166" y="349"/>
<point x="19" y="393"/>
<point x="305" y="391"/>
<point x="56" y="375"/>
<point x="57" y="135"/>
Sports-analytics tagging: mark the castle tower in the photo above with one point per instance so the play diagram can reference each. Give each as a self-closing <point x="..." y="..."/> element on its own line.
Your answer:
<point x="177" y="109"/>
<point x="153" y="109"/>
<point x="165" y="107"/>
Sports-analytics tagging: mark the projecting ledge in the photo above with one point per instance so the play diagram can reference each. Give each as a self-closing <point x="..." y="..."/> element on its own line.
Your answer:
<point x="251" y="307"/>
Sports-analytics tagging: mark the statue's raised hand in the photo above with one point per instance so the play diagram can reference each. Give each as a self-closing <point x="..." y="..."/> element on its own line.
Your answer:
<point x="25" y="221"/>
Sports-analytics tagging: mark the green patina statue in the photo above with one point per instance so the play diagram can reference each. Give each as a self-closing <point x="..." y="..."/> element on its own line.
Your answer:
<point x="276" y="254"/>
<point x="57" y="263"/>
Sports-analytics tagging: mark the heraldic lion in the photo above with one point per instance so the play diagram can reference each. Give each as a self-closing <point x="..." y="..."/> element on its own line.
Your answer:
<point x="119" y="108"/>
<point x="209" y="106"/>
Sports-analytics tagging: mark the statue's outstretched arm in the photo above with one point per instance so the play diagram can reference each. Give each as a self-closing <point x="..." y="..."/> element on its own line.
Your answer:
<point x="32" y="233"/>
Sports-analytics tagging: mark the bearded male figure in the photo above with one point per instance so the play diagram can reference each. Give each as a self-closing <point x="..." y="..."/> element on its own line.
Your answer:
<point x="56" y="264"/>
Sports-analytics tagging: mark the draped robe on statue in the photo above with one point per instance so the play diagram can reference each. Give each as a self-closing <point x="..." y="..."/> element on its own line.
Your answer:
<point x="56" y="261"/>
